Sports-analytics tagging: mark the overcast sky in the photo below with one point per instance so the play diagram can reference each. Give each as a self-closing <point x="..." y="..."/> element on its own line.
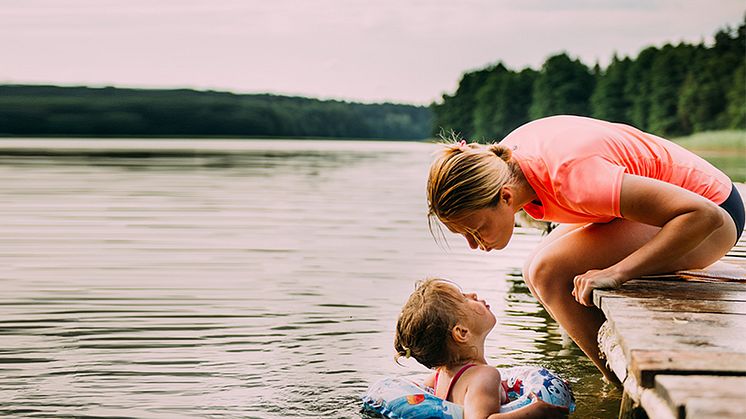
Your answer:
<point x="409" y="51"/>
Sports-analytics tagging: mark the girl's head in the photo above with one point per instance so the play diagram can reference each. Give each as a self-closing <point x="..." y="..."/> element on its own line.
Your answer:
<point x="467" y="178"/>
<point x="441" y="326"/>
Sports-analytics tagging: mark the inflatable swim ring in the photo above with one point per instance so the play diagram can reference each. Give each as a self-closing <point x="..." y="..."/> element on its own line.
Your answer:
<point x="401" y="398"/>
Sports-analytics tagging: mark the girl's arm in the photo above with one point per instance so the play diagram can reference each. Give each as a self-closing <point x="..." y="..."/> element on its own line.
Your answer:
<point x="430" y="380"/>
<point x="686" y="220"/>
<point x="482" y="400"/>
<point x="537" y="409"/>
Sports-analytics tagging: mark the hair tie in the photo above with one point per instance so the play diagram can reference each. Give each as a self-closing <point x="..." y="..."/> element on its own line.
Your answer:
<point x="407" y="352"/>
<point x="462" y="144"/>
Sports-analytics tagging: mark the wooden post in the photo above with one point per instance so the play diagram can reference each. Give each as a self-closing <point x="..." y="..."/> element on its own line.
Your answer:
<point x="628" y="409"/>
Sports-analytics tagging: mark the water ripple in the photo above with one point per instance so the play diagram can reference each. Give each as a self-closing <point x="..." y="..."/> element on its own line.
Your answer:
<point x="261" y="281"/>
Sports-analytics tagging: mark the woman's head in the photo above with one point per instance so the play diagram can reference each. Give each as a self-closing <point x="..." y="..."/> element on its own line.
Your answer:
<point x="465" y="178"/>
<point x="433" y="321"/>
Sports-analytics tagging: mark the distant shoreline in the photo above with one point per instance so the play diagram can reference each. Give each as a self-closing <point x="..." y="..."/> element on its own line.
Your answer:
<point x="4" y="137"/>
<point x="151" y="147"/>
<point x="726" y="144"/>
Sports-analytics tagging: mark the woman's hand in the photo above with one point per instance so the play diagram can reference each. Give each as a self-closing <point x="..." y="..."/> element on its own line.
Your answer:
<point x="536" y="409"/>
<point x="547" y="410"/>
<point x="594" y="279"/>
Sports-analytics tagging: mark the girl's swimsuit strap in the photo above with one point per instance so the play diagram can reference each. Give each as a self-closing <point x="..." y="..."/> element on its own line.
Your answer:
<point x="456" y="377"/>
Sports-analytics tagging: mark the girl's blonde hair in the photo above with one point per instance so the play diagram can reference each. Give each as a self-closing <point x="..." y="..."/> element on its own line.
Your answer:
<point x="423" y="330"/>
<point x="467" y="177"/>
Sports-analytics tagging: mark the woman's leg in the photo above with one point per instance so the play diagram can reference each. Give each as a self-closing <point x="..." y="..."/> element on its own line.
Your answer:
<point x="555" y="234"/>
<point x="576" y="250"/>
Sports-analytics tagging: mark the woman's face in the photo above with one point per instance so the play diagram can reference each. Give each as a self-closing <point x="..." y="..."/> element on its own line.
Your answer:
<point x="485" y="228"/>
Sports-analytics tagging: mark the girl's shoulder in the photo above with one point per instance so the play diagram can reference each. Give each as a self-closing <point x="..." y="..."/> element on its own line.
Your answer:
<point x="484" y="372"/>
<point x="481" y="377"/>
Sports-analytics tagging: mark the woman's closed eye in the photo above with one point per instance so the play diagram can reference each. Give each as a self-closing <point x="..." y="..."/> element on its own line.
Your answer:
<point x="476" y="236"/>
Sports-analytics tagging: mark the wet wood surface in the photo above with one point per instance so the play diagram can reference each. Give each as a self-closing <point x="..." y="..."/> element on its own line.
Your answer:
<point x="701" y="396"/>
<point x="679" y="346"/>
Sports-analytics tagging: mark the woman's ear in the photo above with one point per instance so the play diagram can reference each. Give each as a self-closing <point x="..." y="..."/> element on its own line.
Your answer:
<point x="460" y="333"/>
<point x="506" y="194"/>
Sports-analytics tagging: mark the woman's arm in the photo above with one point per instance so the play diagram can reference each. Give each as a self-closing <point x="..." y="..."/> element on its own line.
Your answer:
<point x="686" y="220"/>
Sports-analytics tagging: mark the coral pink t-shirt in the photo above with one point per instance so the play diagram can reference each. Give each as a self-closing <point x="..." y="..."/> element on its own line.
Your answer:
<point x="575" y="165"/>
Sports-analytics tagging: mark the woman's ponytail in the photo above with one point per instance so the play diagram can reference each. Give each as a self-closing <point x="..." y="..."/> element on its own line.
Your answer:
<point x="504" y="153"/>
<point x="466" y="177"/>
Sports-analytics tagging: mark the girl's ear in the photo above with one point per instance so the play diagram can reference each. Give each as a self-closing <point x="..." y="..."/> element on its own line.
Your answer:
<point x="460" y="333"/>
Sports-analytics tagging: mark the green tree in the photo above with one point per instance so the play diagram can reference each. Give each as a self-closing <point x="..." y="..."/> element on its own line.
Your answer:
<point x="668" y="73"/>
<point x="638" y="87"/>
<point x="456" y="113"/>
<point x="563" y="86"/>
<point x="703" y="101"/>
<point x="736" y="108"/>
<point x="702" y="97"/>
<point x="609" y="100"/>
<point x="503" y="103"/>
<point x="51" y="110"/>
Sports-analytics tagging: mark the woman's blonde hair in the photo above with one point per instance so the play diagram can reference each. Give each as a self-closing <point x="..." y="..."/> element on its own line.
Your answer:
<point x="423" y="330"/>
<point x="467" y="177"/>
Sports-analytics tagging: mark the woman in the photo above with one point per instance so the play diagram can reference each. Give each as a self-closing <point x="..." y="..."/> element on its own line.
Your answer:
<point x="630" y="204"/>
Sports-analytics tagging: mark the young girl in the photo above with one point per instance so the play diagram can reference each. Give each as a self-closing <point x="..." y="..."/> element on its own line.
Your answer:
<point x="629" y="204"/>
<point x="445" y="329"/>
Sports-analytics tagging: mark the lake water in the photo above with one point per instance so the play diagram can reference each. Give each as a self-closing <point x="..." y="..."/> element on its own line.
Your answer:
<point x="256" y="279"/>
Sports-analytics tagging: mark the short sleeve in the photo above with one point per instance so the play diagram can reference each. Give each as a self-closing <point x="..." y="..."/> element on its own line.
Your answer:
<point x="590" y="186"/>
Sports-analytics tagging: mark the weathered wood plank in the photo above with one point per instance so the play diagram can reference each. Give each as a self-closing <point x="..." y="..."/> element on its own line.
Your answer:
<point x="645" y="365"/>
<point x="676" y="344"/>
<point x="705" y="409"/>
<point x="736" y="260"/>
<point x="655" y="407"/>
<point x="683" y="290"/>
<point x="704" y="312"/>
<point x="693" y="306"/>
<point x="700" y="396"/>
<point x="655" y="342"/>
<point x="608" y="344"/>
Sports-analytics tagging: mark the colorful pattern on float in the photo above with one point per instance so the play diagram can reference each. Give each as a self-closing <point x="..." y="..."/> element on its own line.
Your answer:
<point x="401" y="398"/>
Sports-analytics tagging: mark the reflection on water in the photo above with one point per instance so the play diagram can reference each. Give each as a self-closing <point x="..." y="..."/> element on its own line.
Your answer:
<point x="260" y="282"/>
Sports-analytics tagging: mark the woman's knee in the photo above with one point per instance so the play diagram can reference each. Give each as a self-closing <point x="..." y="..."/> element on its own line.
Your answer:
<point x="548" y="277"/>
<point x="527" y="277"/>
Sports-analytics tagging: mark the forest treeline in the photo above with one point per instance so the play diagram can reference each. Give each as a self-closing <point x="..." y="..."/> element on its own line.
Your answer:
<point x="672" y="91"/>
<point x="109" y="111"/>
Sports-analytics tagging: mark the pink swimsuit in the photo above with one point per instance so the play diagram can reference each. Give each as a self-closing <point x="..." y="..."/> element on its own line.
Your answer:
<point x="453" y="381"/>
<point x="458" y="375"/>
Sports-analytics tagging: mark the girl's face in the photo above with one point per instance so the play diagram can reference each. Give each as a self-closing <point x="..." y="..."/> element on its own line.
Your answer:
<point x="485" y="228"/>
<point x="479" y="315"/>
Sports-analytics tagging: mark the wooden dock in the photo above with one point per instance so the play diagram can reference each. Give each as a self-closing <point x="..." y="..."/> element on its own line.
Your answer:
<point x="678" y="347"/>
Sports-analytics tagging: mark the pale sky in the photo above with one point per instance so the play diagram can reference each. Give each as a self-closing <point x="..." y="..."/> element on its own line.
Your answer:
<point x="405" y="51"/>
